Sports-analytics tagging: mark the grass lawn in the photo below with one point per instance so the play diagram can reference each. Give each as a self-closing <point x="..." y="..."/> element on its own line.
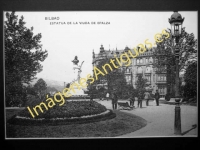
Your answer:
<point x="123" y="123"/>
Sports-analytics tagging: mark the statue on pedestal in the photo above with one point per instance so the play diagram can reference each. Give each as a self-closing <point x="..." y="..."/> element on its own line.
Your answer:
<point x="77" y="69"/>
<point x="77" y="90"/>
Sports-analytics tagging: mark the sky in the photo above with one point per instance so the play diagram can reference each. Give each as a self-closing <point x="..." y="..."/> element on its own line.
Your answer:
<point x="69" y="38"/>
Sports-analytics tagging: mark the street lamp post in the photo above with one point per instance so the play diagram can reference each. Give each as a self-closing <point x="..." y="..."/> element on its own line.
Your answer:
<point x="176" y="21"/>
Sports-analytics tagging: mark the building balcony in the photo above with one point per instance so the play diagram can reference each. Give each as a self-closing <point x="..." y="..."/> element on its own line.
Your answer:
<point x="127" y="73"/>
<point x="140" y="64"/>
<point x="139" y="73"/>
<point x="161" y="82"/>
<point x="148" y="63"/>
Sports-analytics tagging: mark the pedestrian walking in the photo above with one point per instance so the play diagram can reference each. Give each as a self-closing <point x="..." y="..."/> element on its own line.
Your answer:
<point x="107" y="96"/>
<point x="147" y="97"/>
<point x="114" y="100"/>
<point x="100" y="97"/>
<point x="132" y="99"/>
<point x="140" y="99"/>
<point x="157" y="96"/>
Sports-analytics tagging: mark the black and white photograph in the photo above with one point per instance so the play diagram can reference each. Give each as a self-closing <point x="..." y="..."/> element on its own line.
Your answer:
<point x="100" y="74"/>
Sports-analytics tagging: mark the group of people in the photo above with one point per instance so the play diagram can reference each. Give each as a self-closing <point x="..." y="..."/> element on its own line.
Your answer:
<point x="139" y="97"/>
<point x="146" y="97"/>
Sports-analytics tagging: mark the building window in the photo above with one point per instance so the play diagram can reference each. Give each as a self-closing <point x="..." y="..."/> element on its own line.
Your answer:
<point x="148" y="77"/>
<point x="139" y="69"/>
<point x="147" y="60"/>
<point x="148" y="69"/>
<point x="127" y="70"/>
<point x="161" y="90"/>
<point x="141" y="61"/>
<point x="165" y="79"/>
<point x="161" y="77"/>
<point x="158" y="78"/>
<point x="138" y="61"/>
<point x="161" y="69"/>
<point x="150" y="60"/>
<point x="154" y="78"/>
<point x="128" y="79"/>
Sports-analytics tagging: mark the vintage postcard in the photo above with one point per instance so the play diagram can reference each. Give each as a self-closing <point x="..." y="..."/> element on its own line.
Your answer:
<point x="100" y="74"/>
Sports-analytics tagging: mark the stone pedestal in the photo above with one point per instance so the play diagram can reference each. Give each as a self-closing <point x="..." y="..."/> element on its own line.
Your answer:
<point x="78" y="92"/>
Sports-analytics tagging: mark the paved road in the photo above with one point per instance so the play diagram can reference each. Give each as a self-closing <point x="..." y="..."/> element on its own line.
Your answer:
<point x="160" y="119"/>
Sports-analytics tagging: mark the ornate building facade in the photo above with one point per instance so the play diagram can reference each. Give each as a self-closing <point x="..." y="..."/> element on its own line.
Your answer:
<point x="156" y="79"/>
<point x="141" y="65"/>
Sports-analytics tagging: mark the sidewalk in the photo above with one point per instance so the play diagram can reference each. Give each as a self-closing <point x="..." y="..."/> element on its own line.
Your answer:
<point x="160" y="119"/>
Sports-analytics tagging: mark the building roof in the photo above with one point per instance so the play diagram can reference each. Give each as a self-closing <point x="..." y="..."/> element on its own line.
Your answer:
<point x="176" y="17"/>
<point x="112" y="53"/>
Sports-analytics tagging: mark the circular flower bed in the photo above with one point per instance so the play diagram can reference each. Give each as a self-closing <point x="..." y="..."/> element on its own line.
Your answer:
<point x="70" y="112"/>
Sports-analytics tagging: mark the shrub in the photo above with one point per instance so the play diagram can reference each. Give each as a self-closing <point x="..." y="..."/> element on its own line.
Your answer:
<point x="18" y="121"/>
<point x="69" y="109"/>
<point x="59" y="115"/>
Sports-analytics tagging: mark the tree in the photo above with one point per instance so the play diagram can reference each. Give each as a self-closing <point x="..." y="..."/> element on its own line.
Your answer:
<point x="51" y="90"/>
<point x="40" y="87"/>
<point x="31" y="90"/>
<point x="190" y="88"/>
<point x="17" y="95"/>
<point x="23" y="55"/>
<point x="127" y="91"/>
<point x="115" y="78"/>
<point x="118" y="82"/>
<point x="141" y="84"/>
<point x="91" y="89"/>
<point x="67" y="85"/>
<point x="164" y="57"/>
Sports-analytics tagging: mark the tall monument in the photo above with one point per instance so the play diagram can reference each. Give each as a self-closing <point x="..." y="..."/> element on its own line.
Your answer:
<point x="77" y="69"/>
<point x="77" y="75"/>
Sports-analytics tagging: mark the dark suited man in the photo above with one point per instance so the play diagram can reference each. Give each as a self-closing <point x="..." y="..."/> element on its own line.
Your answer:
<point x="157" y="96"/>
<point x="114" y="100"/>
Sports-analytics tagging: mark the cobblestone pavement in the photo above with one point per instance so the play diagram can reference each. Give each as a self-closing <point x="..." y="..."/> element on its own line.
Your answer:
<point x="160" y="119"/>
